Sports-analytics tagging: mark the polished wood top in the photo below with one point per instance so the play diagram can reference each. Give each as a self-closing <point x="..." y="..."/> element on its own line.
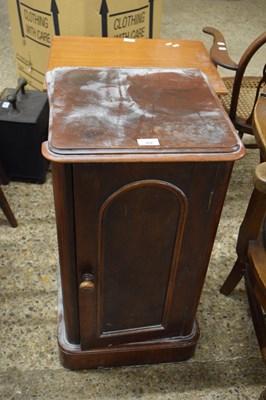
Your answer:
<point x="117" y="52"/>
<point x="137" y="114"/>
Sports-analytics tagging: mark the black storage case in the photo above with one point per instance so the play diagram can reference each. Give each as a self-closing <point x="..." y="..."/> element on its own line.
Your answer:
<point x="24" y="118"/>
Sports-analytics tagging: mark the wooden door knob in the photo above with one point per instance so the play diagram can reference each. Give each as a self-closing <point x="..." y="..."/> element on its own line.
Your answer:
<point x="87" y="282"/>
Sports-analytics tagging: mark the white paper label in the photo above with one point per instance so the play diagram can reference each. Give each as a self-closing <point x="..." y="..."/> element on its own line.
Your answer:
<point x="5" y="104"/>
<point x="149" y="142"/>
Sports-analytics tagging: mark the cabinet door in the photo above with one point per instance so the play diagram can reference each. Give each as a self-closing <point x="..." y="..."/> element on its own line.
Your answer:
<point x="131" y="222"/>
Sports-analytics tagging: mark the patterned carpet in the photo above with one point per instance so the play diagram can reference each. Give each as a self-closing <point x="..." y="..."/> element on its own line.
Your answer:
<point x="227" y="363"/>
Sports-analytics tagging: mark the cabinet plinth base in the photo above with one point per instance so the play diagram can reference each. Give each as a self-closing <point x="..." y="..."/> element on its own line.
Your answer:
<point x="148" y="352"/>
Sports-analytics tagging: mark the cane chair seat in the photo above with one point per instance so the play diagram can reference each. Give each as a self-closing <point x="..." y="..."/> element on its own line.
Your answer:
<point x="246" y="98"/>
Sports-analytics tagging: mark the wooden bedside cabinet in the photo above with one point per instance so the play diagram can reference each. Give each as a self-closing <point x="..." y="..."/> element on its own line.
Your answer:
<point x="141" y="160"/>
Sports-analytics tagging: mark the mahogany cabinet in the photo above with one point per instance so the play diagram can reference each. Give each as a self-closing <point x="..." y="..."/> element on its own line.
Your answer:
<point x="141" y="161"/>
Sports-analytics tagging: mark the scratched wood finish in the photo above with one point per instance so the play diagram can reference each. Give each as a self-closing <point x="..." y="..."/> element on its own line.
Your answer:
<point x="110" y="110"/>
<point x="116" y="52"/>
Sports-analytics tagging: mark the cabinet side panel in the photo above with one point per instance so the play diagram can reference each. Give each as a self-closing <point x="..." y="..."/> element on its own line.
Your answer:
<point x="63" y="195"/>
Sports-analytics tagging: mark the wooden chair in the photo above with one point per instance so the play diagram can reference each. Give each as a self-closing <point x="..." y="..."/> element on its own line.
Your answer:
<point x="251" y="243"/>
<point x="3" y="201"/>
<point x="243" y="91"/>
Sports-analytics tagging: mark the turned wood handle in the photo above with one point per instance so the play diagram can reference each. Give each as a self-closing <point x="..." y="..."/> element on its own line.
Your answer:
<point x="87" y="282"/>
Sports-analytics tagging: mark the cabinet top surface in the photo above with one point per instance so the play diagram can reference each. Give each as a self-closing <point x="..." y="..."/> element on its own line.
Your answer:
<point x="137" y="112"/>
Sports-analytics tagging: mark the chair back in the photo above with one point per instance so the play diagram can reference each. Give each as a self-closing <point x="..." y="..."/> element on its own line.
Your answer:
<point x="255" y="213"/>
<point x="259" y="123"/>
<point x="242" y="120"/>
<point x="242" y="66"/>
<point x="251" y="242"/>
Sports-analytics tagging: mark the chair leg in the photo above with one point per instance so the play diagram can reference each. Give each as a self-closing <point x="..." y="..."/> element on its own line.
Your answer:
<point x="258" y="318"/>
<point x="233" y="278"/>
<point x="7" y="210"/>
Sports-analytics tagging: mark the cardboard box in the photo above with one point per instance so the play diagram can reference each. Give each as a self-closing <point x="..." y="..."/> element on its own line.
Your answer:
<point x="34" y="23"/>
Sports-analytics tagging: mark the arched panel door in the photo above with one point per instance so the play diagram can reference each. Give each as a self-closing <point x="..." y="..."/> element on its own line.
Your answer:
<point x="140" y="232"/>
